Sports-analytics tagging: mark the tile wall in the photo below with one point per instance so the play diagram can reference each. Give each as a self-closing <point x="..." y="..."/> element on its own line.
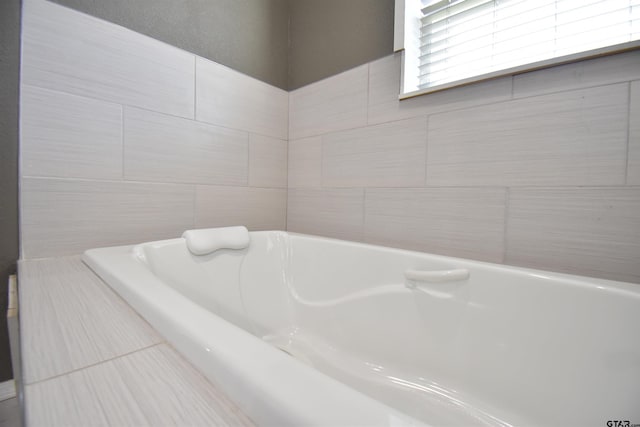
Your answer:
<point x="539" y="170"/>
<point x="126" y="139"/>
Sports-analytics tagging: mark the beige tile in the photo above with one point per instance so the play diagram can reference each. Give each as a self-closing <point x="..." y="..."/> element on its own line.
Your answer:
<point x="633" y="168"/>
<point x="64" y="217"/>
<point x="163" y="148"/>
<point x="461" y="222"/>
<point x="384" y="88"/>
<point x="71" y="402"/>
<point x="175" y="388"/>
<point x="228" y="98"/>
<point x="70" y="320"/>
<point x="593" y="72"/>
<point x="326" y="212"/>
<point x="336" y="103"/>
<point x="586" y="231"/>
<point x="568" y="138"/>
<point x="267" y="161"/>
<point x="387" y="155"/>
<point x="72" y="52"/>
<point x="150" y="387"/>
<point x="69" y="136"/>
<point x="305" y="162"/>
<point x="255" y="208"/>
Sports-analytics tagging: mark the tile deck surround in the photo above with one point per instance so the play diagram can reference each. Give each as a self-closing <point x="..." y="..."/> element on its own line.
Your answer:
<point x="89" y="359"/>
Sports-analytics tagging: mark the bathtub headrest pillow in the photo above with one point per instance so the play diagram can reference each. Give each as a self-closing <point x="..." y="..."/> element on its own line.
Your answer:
<point x="208" y="240"/>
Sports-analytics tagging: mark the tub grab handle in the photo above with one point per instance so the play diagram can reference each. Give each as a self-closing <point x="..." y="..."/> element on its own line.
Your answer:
<point x="435" y="276"/>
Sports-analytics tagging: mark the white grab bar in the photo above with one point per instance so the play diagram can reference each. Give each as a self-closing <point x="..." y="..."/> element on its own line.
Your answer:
<point x="435" y="276"/>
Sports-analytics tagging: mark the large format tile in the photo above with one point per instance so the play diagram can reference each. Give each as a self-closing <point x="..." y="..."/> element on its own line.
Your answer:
<point x="594" y="72"/>
<point x="633" y="168"/>
<point x="69" y="319"/>
<point x="387" y="155"/>
<point x="384" y="89"/>
<point x="462" y="222"/>
<point x="69" y="136"/>
<point x="305" y="162"/>
<point x="568" y="138"/>
<point x="163" y="148"/>
<point x="228" y="98"/>
<point x="267" y="161"/>
<point x="255" y="208"/>
<point x="587" y="231"/>
<point x="336" y="103"/>
<point x="326" y="212"/>
<point x="72" y="52"/>
<point x="63" y="217"/>
<point x="150" y="387"/>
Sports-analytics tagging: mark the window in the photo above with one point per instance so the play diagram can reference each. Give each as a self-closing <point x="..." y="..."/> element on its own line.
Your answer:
<point x="453" y="42"/>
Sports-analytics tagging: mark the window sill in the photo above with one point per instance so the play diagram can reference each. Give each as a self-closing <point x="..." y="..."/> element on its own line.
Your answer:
<point x="609" y="50"/>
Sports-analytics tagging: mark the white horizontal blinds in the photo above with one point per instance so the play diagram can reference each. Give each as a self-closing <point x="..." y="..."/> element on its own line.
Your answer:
<point x="460" y="39"/>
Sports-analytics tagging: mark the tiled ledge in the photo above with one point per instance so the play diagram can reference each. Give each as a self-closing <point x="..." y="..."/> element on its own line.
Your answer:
<point x="89" y="359"/>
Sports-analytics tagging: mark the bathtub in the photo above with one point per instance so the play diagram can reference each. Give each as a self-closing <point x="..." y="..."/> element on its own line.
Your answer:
<point x="303" y="330"/>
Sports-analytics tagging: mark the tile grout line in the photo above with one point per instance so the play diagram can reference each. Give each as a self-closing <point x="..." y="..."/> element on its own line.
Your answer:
<point x="286" y="197"/>
<point x="139" y="182"/>
<point x="53" y="377"/>
<point x="286" y="210"/>
<point x="468" y="187"/>
<point x="570" y="89"/>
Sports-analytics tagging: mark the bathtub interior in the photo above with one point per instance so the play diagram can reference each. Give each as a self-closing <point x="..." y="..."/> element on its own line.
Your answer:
<point x="506" y="346"/>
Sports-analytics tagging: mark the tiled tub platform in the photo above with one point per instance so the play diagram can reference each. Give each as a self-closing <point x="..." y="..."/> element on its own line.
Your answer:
<point x="89" y="359"/>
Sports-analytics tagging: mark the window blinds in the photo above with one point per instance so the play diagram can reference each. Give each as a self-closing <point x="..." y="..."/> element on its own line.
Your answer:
<point x="460" y="39"/>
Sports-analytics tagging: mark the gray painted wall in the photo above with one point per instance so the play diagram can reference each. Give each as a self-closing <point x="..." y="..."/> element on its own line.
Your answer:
<point x="287" y="43"/>
<point x="331" y="36"/>
<point x="250" y="36"/>
<point x="9" y="82"/>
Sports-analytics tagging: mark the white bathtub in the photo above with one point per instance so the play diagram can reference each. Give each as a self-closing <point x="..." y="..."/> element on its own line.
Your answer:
<point x="367" y="346"/>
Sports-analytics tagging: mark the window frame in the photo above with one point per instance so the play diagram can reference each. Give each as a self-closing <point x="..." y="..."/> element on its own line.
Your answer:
<point x="403" y="22"/>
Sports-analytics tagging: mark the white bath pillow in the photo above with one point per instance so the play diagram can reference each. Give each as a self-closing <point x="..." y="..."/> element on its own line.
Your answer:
<point x="208" y="240"/>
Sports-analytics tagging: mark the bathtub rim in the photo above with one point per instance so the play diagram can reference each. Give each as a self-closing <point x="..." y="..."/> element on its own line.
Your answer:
<point x="630" y="289"/>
